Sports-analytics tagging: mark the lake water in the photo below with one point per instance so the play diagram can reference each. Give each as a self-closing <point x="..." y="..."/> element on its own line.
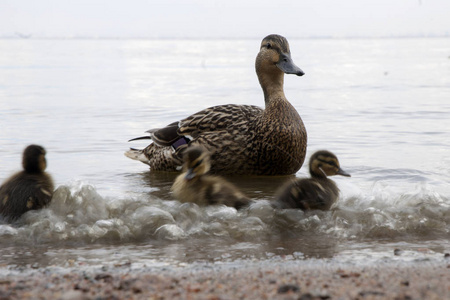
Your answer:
<point x="381" y="105"/>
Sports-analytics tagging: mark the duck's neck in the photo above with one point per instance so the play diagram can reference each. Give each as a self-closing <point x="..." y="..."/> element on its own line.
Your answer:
<point x="33" y="170"/>
<point x="272" y="85"/>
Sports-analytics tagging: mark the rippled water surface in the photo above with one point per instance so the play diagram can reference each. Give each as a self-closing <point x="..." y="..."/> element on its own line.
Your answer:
<point x="381" y="105"/>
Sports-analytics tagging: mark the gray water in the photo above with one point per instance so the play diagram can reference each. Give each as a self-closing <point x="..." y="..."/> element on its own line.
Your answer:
<point x="381" y="105"/>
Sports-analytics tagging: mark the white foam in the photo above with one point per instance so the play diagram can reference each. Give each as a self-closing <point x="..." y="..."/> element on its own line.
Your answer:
<point x="79" y="213"/>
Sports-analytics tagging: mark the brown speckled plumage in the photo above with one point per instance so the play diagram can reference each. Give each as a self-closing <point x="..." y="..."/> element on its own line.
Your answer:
<point x="196" y="186"/>
<point x="317" y="192"/>
<point x="29" y="189"/>
<point x="242" y="139"/>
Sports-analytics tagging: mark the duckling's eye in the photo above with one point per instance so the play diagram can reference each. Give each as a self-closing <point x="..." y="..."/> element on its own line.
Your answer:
<point x="332" y="163"/>
<point x="269" y="46"/>
<point x="197" y="164"/>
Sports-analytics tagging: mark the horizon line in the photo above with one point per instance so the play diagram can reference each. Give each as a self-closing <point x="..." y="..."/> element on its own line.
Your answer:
<point x="20" y="36"/>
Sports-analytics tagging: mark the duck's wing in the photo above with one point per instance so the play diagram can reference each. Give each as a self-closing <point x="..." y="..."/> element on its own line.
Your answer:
<point x="216" y="118"/>
<point x="165" y="136"/>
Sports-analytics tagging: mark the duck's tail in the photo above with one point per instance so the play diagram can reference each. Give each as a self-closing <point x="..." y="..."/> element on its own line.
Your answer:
<point x="145" y="137"/>
<point x="138" y="155"/>
<point x="165" y="151"/>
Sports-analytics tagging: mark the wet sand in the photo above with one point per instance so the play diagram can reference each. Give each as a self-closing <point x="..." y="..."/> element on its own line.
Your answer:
<point x="267" y="280"/>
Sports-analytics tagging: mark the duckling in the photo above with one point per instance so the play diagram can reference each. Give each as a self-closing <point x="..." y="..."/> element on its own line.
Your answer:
<point x="242" y="139"/>
<point x="29" y="189"/>
<point x="195" y="185"/>
<point x="317" y="192"/>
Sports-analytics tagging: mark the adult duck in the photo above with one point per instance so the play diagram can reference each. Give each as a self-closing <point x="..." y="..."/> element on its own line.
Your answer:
<point x="317" y="192"/>
<point x="242" y="139"/>
<point x="29" y="189"/>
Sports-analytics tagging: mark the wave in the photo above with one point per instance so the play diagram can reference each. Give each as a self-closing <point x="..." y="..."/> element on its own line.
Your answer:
<point x="79" y="214"/>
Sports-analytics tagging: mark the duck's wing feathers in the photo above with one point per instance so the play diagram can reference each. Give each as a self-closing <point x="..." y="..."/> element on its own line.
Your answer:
<point x="221" y="117"/>
<point x="165" y="136"/>
<point x="216" y="118"/>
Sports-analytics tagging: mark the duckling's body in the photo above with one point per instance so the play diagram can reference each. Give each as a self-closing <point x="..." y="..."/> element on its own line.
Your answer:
<point x="317" y="192"/>
<point x="242" y="139"/>
<point x="29" y="189"/>
<point x="195" y="186"/>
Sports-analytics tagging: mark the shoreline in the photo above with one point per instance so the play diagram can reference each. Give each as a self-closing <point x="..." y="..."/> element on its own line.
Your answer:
<point x="321" y="279"/>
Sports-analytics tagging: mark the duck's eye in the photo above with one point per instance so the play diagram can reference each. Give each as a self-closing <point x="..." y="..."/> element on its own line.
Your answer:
<point x="334" y="164"/>
<point x="269" y="46"/>
<point x="329" y="162"/>
<point x="197" y="164"/>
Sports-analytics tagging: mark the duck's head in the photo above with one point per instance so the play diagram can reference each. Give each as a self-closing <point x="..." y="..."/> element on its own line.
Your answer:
<point x="274" y="58"/>
<point x="33" y="160"/>
<point x="196" y="162"/>
<point x="323" y="163"/>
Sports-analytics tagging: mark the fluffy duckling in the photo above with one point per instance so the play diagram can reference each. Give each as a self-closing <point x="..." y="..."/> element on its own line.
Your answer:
<point x="241" y="139"/>
<point x="317" y="192"/>
<point x="29" y="189"/>
<point x="194" y="185"/>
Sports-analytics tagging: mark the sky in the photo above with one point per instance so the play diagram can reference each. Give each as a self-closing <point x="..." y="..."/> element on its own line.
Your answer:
<point x="223" y="19"/>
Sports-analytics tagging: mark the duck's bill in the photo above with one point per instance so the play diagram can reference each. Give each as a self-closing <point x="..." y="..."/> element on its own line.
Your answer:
<point x="343" y="173"/>
<point x="287" y="65"/>
<point x="189" y="174"/>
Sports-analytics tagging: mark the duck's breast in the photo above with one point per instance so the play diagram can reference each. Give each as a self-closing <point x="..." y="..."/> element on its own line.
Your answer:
<point x="282" y="138"/>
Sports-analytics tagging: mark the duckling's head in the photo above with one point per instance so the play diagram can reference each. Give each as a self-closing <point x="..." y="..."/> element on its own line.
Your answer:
<point x="33" y="160"/>
<point x="196" y="162"/>
<point x="324" y="163"/>
<point x="275" y="56"/>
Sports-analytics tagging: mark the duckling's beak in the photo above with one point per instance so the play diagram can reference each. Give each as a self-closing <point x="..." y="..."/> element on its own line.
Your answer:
<point x="286" y="65"/>
<point x="190" y="174"/>
<point x="343" y="173"/>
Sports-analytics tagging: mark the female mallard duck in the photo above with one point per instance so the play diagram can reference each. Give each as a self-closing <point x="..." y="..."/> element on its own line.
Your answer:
<point x="317" y="192"/>
<point x="29" y="189"/>
<point x="242" y="139"/>
<point x="194" y="185"/>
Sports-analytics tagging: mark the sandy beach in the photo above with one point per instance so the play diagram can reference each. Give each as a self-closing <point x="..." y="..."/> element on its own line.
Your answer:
<point x="265" y="280"/>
